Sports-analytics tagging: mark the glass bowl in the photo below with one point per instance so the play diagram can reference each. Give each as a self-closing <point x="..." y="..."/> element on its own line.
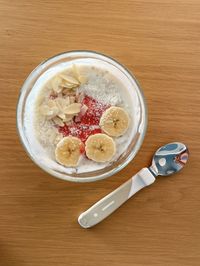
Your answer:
<point x="133" y="87"/>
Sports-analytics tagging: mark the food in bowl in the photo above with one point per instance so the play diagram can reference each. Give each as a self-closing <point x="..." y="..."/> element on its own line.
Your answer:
<point x="81" y="116"/>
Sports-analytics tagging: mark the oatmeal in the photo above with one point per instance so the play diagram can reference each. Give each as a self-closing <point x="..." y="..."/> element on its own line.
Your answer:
<point x="82" y="117"/>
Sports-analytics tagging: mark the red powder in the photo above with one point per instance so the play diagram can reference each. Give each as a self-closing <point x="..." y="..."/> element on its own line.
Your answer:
<point x="89" y="122"/>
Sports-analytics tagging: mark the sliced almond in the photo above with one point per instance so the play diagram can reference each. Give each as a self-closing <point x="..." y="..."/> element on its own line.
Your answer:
<point x="68" y="100"/>
<point x="69" y="86"/>
<point x="51" y="103"/>
<point x="58" y="121"/>
<point x="62" y="116"/>
<point x="69" y="79"/>
<point x="49" y="112"/>
<point x="59" y="104"/>
<point x="71" y="99"/>
<point x="68" y="118"/>
<point x="62" y="103"/>
<point x="66" y="91"/>
<point x="69" y="123"/>
<point x="56" y="84"/>
<point x="55" y="110"/>
<point x="83" y="110"/>
<point x="82" y="79"/>
<point x="65" y="101"/>
<point x="73" y="108"/>
<point x="79" y="97"/>
<point x="75" y="71"/>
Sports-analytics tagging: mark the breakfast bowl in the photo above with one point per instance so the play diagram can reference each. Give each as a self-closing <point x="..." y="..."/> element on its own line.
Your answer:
<point x="101" y="86"/>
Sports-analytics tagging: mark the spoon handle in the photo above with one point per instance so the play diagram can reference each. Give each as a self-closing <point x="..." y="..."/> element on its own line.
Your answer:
<point x="115" y="199"/>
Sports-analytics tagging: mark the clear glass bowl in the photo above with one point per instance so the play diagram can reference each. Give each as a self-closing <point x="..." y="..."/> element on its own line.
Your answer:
<point x="135" y="143"/>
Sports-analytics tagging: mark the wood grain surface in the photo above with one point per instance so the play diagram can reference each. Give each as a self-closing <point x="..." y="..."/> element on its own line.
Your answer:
<point x="159" y="40"/>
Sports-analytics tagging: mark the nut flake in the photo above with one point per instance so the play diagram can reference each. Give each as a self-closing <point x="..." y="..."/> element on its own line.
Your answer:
<point x="82" y="79"/>
<point x="56" y="84"/>
<point x="72" y="109"/>
<point x="63" y="103"/>
<point x="72" y="99"/>
<point x="69" y="79"/>
<point x="58" y="121"/>
<point x="83" y="110"/>
<point x="68" y="118"/>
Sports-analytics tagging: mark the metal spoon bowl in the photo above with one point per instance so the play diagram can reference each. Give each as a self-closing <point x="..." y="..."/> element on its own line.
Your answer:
<point x="169" y="159"/>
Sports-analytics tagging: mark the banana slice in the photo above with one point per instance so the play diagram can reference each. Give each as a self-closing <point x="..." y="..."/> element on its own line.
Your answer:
<point x="100" y="148"/>
<point x="68" y="151"/>
<point x="114" y="121"/>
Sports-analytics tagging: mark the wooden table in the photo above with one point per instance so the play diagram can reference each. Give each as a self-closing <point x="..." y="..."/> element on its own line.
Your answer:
<point x="159" y="40"/>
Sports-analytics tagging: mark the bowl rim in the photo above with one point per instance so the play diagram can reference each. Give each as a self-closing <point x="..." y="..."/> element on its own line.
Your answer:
<point x="106" y="174"/>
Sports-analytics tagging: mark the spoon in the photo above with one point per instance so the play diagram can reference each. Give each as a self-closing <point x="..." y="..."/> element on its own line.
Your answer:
<point x="167" y="160"/>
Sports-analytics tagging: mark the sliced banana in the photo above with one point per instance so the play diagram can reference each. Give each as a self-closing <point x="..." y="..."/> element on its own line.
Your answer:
<point x="68" y="151"/>
<point x="114" y="121"/>
<point x="100" y="148"/>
